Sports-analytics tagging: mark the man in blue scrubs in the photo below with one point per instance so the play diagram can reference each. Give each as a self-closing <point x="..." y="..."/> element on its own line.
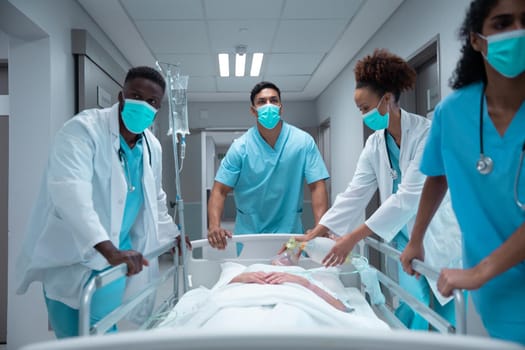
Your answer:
<point x="266" y="168"/>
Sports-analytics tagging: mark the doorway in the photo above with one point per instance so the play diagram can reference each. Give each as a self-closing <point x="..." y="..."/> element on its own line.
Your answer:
<point x="4" y="176"/>
<point x="427" y="92"/>
<point x="215" y="144"/>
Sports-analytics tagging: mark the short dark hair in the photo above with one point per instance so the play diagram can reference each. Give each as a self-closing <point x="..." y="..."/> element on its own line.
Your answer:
<point x="263" y="85"/>
<point x="146" y="73"/>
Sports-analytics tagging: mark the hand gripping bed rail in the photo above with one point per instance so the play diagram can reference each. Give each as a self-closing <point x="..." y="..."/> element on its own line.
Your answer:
<point x="105" y="278"/>
<point x="425" y="270"/>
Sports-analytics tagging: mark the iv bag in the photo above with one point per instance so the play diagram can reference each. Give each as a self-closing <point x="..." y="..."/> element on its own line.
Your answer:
<point x="180" y="105"/>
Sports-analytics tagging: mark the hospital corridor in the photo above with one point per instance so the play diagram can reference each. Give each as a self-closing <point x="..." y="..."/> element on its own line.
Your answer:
<point x="224" y="174"/>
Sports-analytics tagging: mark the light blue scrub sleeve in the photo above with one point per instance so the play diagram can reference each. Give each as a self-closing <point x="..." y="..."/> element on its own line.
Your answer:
<point x="432" y="160"/>
<point x="315" y="169"/>
<point x="230" y="167"/>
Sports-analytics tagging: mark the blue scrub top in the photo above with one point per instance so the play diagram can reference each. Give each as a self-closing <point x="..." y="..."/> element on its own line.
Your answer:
<point x="268" y="182"/>
<point x="133" y="171"/>
<point x="484" y="204"/>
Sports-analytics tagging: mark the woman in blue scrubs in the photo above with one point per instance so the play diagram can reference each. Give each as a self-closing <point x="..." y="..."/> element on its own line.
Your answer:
<point x="476" y="148"/>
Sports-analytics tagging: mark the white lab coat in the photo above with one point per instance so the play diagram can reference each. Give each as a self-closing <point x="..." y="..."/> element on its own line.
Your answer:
<point x="81" y="203"/>
<point x="443" y="238"/>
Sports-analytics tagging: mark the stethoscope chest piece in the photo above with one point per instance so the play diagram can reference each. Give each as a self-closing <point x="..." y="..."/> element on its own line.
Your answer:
<point x="484" y="164"/>
<point x="393" y="174"/>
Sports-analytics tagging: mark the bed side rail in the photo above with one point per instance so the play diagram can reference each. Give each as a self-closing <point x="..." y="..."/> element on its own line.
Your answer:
<point x="108" y="276"/>
<point x="426" y="270"/>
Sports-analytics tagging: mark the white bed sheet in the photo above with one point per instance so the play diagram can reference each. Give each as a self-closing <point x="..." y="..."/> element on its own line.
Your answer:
<point x="246" y="307"/>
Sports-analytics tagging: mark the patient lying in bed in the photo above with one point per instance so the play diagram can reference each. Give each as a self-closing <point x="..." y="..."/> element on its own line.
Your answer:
<point x="275" y="277"/>
<point x="263" y="296"/>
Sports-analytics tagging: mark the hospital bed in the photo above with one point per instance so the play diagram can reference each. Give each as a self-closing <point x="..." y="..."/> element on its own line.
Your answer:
<point x="204" y="268"/>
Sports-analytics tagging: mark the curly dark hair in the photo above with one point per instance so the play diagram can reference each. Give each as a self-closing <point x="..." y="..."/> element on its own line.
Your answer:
<point x="384" y="72"/>
<point x="261" y="86"/>
<point x="470" y="67"/>
<point x="146" y="73"/>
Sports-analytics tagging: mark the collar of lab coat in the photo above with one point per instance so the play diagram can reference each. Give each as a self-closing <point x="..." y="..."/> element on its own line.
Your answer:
<point x="114" y="127"/>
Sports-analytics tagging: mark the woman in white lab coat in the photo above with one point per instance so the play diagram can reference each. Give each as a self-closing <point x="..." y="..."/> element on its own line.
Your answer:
<point x="390" y="162"/>
<point x="101" y="203"/>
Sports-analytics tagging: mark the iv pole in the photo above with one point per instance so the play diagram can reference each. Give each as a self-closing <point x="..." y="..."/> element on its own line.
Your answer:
<point x="178" y="199"/>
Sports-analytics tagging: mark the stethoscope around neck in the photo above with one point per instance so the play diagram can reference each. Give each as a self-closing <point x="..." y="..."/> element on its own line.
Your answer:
<point x="393" y="172"/>
<point x="484" y="165"/>
<point x="124" y="161"/>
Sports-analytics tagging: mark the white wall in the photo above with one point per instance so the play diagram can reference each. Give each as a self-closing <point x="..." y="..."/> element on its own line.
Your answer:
<point x="41" y="84"/>
<point x="411" y="26"/>
<point x="237" y="114"/>
<point x="210" y="159"/>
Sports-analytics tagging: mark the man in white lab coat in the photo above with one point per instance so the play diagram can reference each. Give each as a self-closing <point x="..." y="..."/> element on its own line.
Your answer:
<point x="101" y="204"/>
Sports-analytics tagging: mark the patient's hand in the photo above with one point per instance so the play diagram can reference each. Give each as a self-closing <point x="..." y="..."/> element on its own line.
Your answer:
<point x="250" y="277"/>
<point x="283" y="277"/>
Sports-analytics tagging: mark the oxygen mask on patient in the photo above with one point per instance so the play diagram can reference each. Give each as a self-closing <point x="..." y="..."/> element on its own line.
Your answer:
<point x="316" y="249"/>
<point x="319" y="247"/>
<point x="290" y="257"/>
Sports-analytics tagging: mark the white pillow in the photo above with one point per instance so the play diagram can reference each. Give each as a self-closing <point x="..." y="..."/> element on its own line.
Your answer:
<point x="229" y="270"/>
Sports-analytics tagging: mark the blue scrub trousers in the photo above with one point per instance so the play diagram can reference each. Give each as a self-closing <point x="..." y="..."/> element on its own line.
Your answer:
<point x="419" y="289"/>
<point x="64" y="319"/>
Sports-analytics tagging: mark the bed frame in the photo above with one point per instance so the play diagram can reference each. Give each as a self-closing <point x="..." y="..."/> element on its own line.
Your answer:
<point x="202" y="267"/>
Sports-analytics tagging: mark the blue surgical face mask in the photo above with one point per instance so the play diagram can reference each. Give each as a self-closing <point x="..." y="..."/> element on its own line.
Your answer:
<point x="506" y="52"/>
<point x="374" y="120"/>
<point x="268" y="115"/>
<point x="137" y="115"/>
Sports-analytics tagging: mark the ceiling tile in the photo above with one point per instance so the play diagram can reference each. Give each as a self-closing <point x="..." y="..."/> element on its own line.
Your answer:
<point x="292" y="64"/>
<point x="201" y="84"/>
<point x="295" y="83"/>
<point x="163" y="9"/>
<point x="242" y="9"/>
<point x="237" y="84"/>
<point x="192" y="65"/>
<point x="175" y="36"/>
<point x="307" y="35"/>
<point x="296" y="36"/>
<point x="225" y="35"/>
<point x="315" y="9"/>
